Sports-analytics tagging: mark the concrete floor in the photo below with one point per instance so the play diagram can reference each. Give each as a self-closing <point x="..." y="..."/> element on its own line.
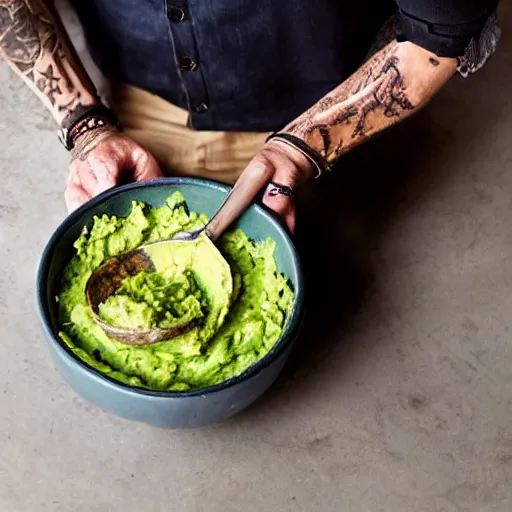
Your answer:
<point x="399" y="395"/>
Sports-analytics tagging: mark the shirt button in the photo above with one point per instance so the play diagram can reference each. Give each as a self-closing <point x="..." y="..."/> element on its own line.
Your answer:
<point x="200" y="108"/>
<point x="175" y="14"/>
<point x="188" y="64"/>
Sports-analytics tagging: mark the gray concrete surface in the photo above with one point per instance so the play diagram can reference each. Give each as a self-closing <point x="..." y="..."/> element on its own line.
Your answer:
<point x="399" y="395"/>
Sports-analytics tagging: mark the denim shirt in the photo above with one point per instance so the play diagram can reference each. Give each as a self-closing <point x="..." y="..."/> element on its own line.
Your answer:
<point x="248" y="65"/>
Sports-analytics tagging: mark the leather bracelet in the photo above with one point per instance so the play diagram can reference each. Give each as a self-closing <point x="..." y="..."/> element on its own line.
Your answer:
<point x="77" y="123"/>
<point x="318" y="161"/>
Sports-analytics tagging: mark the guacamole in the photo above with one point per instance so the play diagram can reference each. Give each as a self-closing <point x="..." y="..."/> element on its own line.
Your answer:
<point x="241" y="308"/>
<point x="154" y="299"/>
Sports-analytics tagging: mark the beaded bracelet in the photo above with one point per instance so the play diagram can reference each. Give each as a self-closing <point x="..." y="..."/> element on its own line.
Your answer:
<point x="86" y="125"/>
<point x="86" y="117"/>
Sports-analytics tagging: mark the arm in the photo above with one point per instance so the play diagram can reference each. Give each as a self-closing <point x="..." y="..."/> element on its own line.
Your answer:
<point x="35" y="45"/>
<point x="394" y="83"/>
<point x="398" y="80"/>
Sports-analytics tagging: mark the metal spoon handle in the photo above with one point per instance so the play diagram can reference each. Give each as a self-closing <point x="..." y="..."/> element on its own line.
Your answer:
<point x="250" y="182"/>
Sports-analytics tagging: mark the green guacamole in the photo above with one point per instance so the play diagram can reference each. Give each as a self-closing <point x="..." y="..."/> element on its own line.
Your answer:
<point x="154" y="299"/>
<point x="240" y="309"/>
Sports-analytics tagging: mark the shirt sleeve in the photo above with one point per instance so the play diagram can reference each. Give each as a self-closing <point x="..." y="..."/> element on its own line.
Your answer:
<point x="444" y="27"/>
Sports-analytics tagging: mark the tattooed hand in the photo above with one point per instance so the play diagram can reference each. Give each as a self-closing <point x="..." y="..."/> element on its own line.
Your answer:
<point x="101" y="159"/>
<point x="290" y="169"/>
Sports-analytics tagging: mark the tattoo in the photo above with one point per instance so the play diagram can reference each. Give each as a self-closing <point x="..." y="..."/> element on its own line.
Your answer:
<point x="71" y="105"/>
<point x="388" y="93"/>
<point x="18" y="35"/>
<point x="29" y="41"/>
<point x="25" y="31"/>
<point x="342" y="117"/>
<point x="48" y="84"/>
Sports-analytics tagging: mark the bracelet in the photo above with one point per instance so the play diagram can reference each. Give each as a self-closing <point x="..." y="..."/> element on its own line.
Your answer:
<point x="315" y="158"/>
<point x="86" y="125"/>
<point x="85" y="118"/>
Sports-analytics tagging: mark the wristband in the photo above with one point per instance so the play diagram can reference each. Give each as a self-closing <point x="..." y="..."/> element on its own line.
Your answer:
<point x="315" y="158"/>
<point x="83" y="119"/>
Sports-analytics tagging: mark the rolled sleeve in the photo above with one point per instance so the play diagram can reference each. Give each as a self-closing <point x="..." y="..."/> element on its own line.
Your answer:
<point x="444" y="27"/>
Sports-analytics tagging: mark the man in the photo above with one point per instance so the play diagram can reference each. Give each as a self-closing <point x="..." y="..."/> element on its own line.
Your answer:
<point x="199" y="86"/>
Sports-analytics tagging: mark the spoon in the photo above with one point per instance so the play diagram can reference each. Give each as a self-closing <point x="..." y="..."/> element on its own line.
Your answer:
<point x="108" y="278"/>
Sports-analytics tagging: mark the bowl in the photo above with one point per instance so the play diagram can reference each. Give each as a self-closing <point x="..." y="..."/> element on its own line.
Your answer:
<point x="166" y="409"/>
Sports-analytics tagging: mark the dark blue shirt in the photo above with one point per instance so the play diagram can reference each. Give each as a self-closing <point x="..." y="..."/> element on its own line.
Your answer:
<point x="254" y="65"/>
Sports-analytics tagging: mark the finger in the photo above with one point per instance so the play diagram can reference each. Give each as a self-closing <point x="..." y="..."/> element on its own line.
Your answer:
<point x="85" y="176"/>
<point x="75" y="195"/>
<point x="106" y="168"/>
<point x="143" y="164"/>
<point x="282" y="204"/>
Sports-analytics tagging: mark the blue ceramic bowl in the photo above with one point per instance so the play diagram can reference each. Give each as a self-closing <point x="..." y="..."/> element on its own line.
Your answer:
<point x="162" y="408"/>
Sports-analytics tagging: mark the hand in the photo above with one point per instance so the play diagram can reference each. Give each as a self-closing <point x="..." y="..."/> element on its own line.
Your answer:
<point x="290" y="169"/>
<point x="99" y="160"/>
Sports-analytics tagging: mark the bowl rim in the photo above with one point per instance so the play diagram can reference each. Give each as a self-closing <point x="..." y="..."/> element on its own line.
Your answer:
<point x="287" y="337"/>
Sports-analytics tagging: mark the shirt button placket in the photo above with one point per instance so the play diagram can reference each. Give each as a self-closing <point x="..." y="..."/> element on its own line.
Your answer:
<point x="185" y="47"/>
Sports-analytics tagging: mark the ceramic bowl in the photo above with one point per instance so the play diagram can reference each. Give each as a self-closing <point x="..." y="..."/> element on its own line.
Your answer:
<point x="162" y="408"/>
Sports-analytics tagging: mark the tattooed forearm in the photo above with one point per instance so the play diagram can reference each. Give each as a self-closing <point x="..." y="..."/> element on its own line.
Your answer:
<point x="35" y="45"/>
<point x="18" y="35"/>
<point x="392" y="84"/>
